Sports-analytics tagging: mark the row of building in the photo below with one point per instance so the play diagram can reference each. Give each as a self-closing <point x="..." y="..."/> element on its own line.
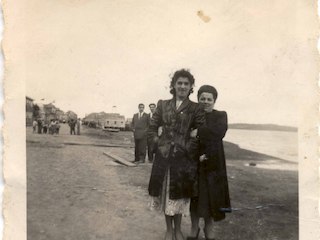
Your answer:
<point x="106" y="120"/>
<point x="46" y="112"/>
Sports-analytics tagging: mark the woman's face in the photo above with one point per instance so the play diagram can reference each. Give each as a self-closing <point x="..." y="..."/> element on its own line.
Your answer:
<point x="182" y="87"/>
<point x="207" y="100"/>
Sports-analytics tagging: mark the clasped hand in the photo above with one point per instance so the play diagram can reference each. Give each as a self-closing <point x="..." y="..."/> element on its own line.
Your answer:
<point x="203" y="157"/>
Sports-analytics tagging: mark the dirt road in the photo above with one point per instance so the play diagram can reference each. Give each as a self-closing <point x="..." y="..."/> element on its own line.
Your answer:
<point x="74" y="192"/>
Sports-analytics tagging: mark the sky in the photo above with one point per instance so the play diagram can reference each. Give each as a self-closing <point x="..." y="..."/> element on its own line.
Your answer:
<point x="88" y="56"/>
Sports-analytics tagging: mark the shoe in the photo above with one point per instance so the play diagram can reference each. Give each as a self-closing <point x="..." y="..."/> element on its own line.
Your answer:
<point x="140" y="162"/>
<point x="196" y="237"/>
<point x="135" y="161"/>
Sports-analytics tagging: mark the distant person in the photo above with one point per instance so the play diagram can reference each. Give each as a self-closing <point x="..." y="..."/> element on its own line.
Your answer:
<point x="53" y="127"/>
<point x="140" y="122"/>
<point x="39" y="126"/>
<point x="34" y="126"/>
<point x="45" y="128"/>
<point x="152" y="146"/>
<point x="72" y="125"/>
<point x="57" y="127"/>
<point x="78" y="126"/>
<point x="213" y="192"/>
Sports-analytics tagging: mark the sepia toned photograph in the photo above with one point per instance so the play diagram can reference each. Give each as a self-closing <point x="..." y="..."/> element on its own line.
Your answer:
<point x="161" y="120"/>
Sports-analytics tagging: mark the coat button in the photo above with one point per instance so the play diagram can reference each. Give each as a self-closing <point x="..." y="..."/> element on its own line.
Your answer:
<point x="172" y="143"/>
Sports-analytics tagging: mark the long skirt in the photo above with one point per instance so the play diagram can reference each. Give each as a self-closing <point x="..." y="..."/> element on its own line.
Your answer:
<point x="169" y="206"/>
<point x="201" y="204"/>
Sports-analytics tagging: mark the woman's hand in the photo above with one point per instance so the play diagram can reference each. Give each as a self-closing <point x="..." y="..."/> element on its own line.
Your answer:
<point x="194" y="133"/>
<point x="203" y="158"/>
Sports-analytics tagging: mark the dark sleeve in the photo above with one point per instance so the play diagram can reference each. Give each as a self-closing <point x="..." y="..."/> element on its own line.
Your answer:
<point x="193" y="143"/>
<point x="216" y="132"/>
<point x="132" y="123"/>
<point x="211" y="136"/>
<point x="199" y="119"/>
<point x="155" y="122"/>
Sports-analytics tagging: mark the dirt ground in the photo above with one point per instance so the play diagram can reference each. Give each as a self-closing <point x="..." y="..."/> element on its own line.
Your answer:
<point x="74" y="192"/>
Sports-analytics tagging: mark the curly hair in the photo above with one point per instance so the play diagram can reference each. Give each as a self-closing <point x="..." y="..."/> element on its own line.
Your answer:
<point x="181" y="73"/>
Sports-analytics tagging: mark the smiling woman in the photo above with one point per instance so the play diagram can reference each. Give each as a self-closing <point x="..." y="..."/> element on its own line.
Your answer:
<point x="213" y="192"/>
<point x="174" y="172"/>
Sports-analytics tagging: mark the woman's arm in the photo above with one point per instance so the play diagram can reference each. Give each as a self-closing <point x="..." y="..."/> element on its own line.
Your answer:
<point x="211" y="137"/>
<point x="193" y="143"/>
<point x="216" y="132"/>
<point x="155" y="123"/>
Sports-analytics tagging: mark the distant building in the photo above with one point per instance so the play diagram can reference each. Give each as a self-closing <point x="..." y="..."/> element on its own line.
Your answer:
<point x="50" y="112"/>
<point x="60" y="115"/>
<point x="42" y="113"/>
<point x="105" y="120"/>
<point x="29" y="111"/>
<point x="70" y="115"/>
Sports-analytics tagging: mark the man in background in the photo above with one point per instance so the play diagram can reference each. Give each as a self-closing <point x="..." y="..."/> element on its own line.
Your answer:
<point x="39" y="125"/>
<point x="57" y="126"/>
<point x="78" y="126"/>
<point x="72" y="125"/>
<point x="140" y="123"/>
<point x="152" y="146"/>
<point x="34" y="125"/>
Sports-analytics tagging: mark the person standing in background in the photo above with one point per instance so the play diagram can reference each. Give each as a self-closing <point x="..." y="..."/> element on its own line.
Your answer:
<point x="72" y="125"/>
<point x="152" y="146"/>
<point x="53" y="127"/>
<point x="45" y="128"/>
<point x="34" y="126"/>
<point x="140" y="123"/>
<point x="39" y="126"/>
<point x="78" y="126"/>
<point x="57" y="126"/>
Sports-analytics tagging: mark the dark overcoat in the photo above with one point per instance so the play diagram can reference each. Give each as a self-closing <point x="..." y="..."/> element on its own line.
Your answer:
<point x="140" y="126"/>
<point x="176" y="149"/>
<point x="211" y="135"/>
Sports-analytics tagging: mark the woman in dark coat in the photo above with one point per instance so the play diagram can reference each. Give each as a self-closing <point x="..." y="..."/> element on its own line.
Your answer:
<point x="213" y="199"/>
<point x="173" y="178"/>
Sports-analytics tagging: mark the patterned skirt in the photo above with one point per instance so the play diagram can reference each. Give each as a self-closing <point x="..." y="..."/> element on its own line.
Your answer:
<point x="169" y="206"/>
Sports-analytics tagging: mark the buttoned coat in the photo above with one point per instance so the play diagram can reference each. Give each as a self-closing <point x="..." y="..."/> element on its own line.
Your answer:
<point x="176" y="149"/>
<point x="140" y="126"/>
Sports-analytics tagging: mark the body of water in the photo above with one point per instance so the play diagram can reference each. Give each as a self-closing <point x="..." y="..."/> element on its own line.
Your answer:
<point x="279" y="144"/>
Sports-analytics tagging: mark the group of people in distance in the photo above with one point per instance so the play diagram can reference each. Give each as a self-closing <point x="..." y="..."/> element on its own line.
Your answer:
<point x="140" y="124"/>
<point x="41" y="126"/>
<point x="189" y="170"/>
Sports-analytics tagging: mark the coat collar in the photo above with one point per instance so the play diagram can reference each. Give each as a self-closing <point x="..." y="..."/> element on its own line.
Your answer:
<point x="183" y="105"/>
<point x="143" y="113"/>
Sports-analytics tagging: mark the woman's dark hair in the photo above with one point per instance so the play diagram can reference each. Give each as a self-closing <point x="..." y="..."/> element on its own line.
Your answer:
<point x="181" y="73"/>
<point x="208" y="89"/>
